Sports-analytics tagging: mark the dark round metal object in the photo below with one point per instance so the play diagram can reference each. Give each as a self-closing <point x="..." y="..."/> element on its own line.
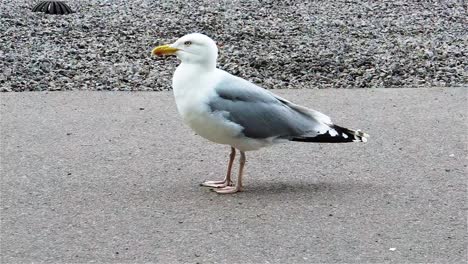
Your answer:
<point x="52" y="7"/>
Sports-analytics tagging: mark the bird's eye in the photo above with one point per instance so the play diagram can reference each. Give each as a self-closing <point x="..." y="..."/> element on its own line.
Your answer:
<point x="188" y="43"/>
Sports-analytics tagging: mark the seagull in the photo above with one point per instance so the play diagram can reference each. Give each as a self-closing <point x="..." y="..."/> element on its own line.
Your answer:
<point x="229" y="110"/>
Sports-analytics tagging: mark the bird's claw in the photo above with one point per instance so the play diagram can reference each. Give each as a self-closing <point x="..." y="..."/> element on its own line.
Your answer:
<point x="216" y="184"/>
<point x="227" y="190"/>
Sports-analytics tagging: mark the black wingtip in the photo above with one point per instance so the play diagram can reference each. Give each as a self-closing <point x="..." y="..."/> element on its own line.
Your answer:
<point x="337" y="135"/>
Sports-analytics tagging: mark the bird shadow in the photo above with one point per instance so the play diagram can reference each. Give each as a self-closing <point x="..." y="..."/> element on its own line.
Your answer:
<point x="269" y="188"/>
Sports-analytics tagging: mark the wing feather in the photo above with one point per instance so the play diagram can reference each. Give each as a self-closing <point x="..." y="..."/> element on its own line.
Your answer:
<point x="263" y="114"/>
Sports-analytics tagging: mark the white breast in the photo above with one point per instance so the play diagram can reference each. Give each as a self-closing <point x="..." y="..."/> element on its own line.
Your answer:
<point x="192" y="91"/>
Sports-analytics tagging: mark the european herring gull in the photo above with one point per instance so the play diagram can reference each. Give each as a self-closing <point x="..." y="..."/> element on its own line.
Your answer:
<point x="229" y="110"/>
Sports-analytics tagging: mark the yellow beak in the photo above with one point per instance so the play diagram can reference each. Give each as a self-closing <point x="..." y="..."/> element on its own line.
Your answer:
<point x="164" y="50"/>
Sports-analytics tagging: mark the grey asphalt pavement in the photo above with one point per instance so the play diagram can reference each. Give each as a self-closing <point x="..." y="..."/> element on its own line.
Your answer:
<point x="113" y="177"/>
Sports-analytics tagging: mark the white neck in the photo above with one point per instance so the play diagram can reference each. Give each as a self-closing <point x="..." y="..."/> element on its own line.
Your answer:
<point x="188" y="75"/>
<point x="206" y="65"/>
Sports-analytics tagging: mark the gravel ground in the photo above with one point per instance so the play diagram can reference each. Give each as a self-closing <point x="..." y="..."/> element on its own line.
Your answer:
<point x="106" y="45"/>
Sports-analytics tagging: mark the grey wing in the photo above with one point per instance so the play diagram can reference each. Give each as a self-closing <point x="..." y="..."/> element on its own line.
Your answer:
<point x="261" y="113"/>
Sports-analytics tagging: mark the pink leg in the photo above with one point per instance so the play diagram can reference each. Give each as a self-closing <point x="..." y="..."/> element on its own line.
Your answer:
<point x="227" y="180"/>
<point x="238" y="187"/>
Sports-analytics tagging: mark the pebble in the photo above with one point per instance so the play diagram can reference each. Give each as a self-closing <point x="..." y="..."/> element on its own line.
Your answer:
<point x="106" y="45"/>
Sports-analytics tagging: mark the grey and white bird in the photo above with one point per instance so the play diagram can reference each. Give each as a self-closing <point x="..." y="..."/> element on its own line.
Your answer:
<point x="229" y="110"/>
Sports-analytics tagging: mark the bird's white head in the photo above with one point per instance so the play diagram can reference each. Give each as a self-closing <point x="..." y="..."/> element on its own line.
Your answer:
<point x="193" y="48"/>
